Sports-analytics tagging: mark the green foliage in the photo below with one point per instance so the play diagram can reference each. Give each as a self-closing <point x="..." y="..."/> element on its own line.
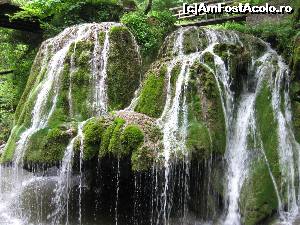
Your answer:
<point x="149" y="30"/>
<point x="17" y="54"/>
<point x="152" y="97"/>
<point x="55" y="15"/>
<point x="7" y="108"/>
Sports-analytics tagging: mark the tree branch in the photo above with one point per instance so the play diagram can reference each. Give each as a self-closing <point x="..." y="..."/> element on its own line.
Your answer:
<point x="6" y="72"/>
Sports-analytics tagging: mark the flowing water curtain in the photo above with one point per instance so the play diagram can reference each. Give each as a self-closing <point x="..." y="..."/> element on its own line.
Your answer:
<point x="240" y="117"/>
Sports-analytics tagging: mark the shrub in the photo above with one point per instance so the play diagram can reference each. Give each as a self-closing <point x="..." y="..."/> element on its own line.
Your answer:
<point x="149" y="30"/>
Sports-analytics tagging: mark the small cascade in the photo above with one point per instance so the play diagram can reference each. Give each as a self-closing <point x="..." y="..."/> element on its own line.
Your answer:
<point x="117" y="191"/>
<point x="287" y="142"/>
<point x="237" y="157"/>
<point x="99" y="71"/>
<point x="174" y="133"/>
<point x="64" y="183"/>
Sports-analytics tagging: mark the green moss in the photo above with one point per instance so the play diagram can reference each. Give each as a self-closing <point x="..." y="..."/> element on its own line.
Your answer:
<point x="101" y="38"/>
<point x="152" y="97"/>
<point x="10" y="147"/>
<point x="132" y="137"/>
<point x="115" y="146"/>
<point x="295" y="87"/>
<point x="106" y="140"/>
<point x="266" y="121"/>
<point x="36" y="75"/>
<point x="258" y="198"/>
<point x="194" y="41"/>
<point x="198" y="141"/>
<point x="111" y="143"/>
<point x="93" y="131"/>
<point x="47" y="146"/>
<point x="207" y="131"/>
<point x="209" y="60"/>
<point x="296" y="119"/>
<point x="123" y="70"/>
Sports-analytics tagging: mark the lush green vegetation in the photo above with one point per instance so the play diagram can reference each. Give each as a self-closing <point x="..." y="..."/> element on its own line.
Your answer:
<point x="150" y="30"/>
<point x="17" y="51"/>
<point x="280" y="34"/>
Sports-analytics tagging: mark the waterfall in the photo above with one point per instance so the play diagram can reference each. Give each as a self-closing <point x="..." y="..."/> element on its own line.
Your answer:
<point x="169" y="183"/>
<point x="240" y="119"/>
<point x="46" y="91"/>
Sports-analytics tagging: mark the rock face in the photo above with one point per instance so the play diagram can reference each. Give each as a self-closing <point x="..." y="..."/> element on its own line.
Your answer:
<point x="206" y="135"/>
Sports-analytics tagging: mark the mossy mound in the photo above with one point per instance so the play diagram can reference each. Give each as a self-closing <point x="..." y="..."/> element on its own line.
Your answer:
<point x="153" y="92"/>
<point x="47" y="146"/>
<point x="122" y="135"/>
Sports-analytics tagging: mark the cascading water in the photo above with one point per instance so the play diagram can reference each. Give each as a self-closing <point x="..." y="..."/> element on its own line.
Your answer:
<point x="240" y="118"/>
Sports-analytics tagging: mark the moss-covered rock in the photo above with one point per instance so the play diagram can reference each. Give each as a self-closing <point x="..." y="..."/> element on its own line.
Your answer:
<point x="194" y="40"/>
<point x="153" y="93"/>
<point x="92" y="137"/>
<point x="124" y="68"/>
<point x="47" y="145"/>
<point x="258" y="198"/>
<point x="237" y="60"/>
<point x="71" y="94"/>
<point x="132" y="137"/>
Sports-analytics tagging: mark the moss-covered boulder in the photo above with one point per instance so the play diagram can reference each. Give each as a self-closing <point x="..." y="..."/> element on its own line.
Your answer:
<point x="47" y="146"/>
